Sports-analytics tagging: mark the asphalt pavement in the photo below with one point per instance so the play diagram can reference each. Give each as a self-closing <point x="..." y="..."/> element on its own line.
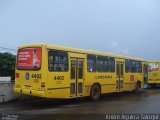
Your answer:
<point x="146" y="102"/>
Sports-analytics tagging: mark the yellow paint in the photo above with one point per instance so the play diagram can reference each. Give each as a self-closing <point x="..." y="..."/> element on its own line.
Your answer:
<point x="154" y="76"/>
<point x="61" y="89"/>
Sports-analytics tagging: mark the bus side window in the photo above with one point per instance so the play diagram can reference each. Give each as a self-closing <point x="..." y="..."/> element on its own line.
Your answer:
<point x="138" y="67"/>
<point x="112" y="64"/>
<point x="127" y="66"/>
<point x="102" y="64"/>
<point x="133" y="66"/>
<point x="57" y="61"/>
<point x="91" y="63"/>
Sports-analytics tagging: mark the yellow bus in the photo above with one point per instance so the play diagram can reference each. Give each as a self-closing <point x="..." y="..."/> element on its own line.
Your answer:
<point x="154" y="73"/>
<point x="52" y="71"/>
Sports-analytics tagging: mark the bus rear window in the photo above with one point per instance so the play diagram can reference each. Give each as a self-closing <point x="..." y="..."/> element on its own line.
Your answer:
<point x="29" y="59"/>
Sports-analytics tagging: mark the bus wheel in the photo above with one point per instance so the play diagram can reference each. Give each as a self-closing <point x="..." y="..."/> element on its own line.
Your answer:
<point x="95" y="92"/>
<point x="138" y="86"/>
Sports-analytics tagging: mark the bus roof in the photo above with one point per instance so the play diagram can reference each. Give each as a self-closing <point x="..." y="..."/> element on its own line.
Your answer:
<point x="77" y="50"/>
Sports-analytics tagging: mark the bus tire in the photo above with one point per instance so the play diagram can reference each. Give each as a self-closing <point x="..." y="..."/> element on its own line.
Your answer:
<point x="95" y="92"/>
<point x="138" y="86"/>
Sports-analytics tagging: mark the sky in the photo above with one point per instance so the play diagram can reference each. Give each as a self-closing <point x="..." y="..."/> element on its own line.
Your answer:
<point x="127" y="27"/>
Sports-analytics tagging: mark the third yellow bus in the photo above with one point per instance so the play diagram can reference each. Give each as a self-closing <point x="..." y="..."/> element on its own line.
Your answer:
<point x="154" y="73"/>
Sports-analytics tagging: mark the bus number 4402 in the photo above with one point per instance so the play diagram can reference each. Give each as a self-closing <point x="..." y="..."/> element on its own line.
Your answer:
<point x="59" y="78"/>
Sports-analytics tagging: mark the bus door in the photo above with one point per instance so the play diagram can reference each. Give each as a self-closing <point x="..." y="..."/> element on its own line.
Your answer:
<point x="119" y="76"/>
<point x="146" y="75"/>
<point x="76" y="77"/>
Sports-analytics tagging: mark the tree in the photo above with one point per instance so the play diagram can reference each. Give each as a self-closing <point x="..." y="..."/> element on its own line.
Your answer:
<point x="7" y="65"/>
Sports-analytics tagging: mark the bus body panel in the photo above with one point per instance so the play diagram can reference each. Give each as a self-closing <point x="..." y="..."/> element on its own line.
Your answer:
<point x="29" y="81"/>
